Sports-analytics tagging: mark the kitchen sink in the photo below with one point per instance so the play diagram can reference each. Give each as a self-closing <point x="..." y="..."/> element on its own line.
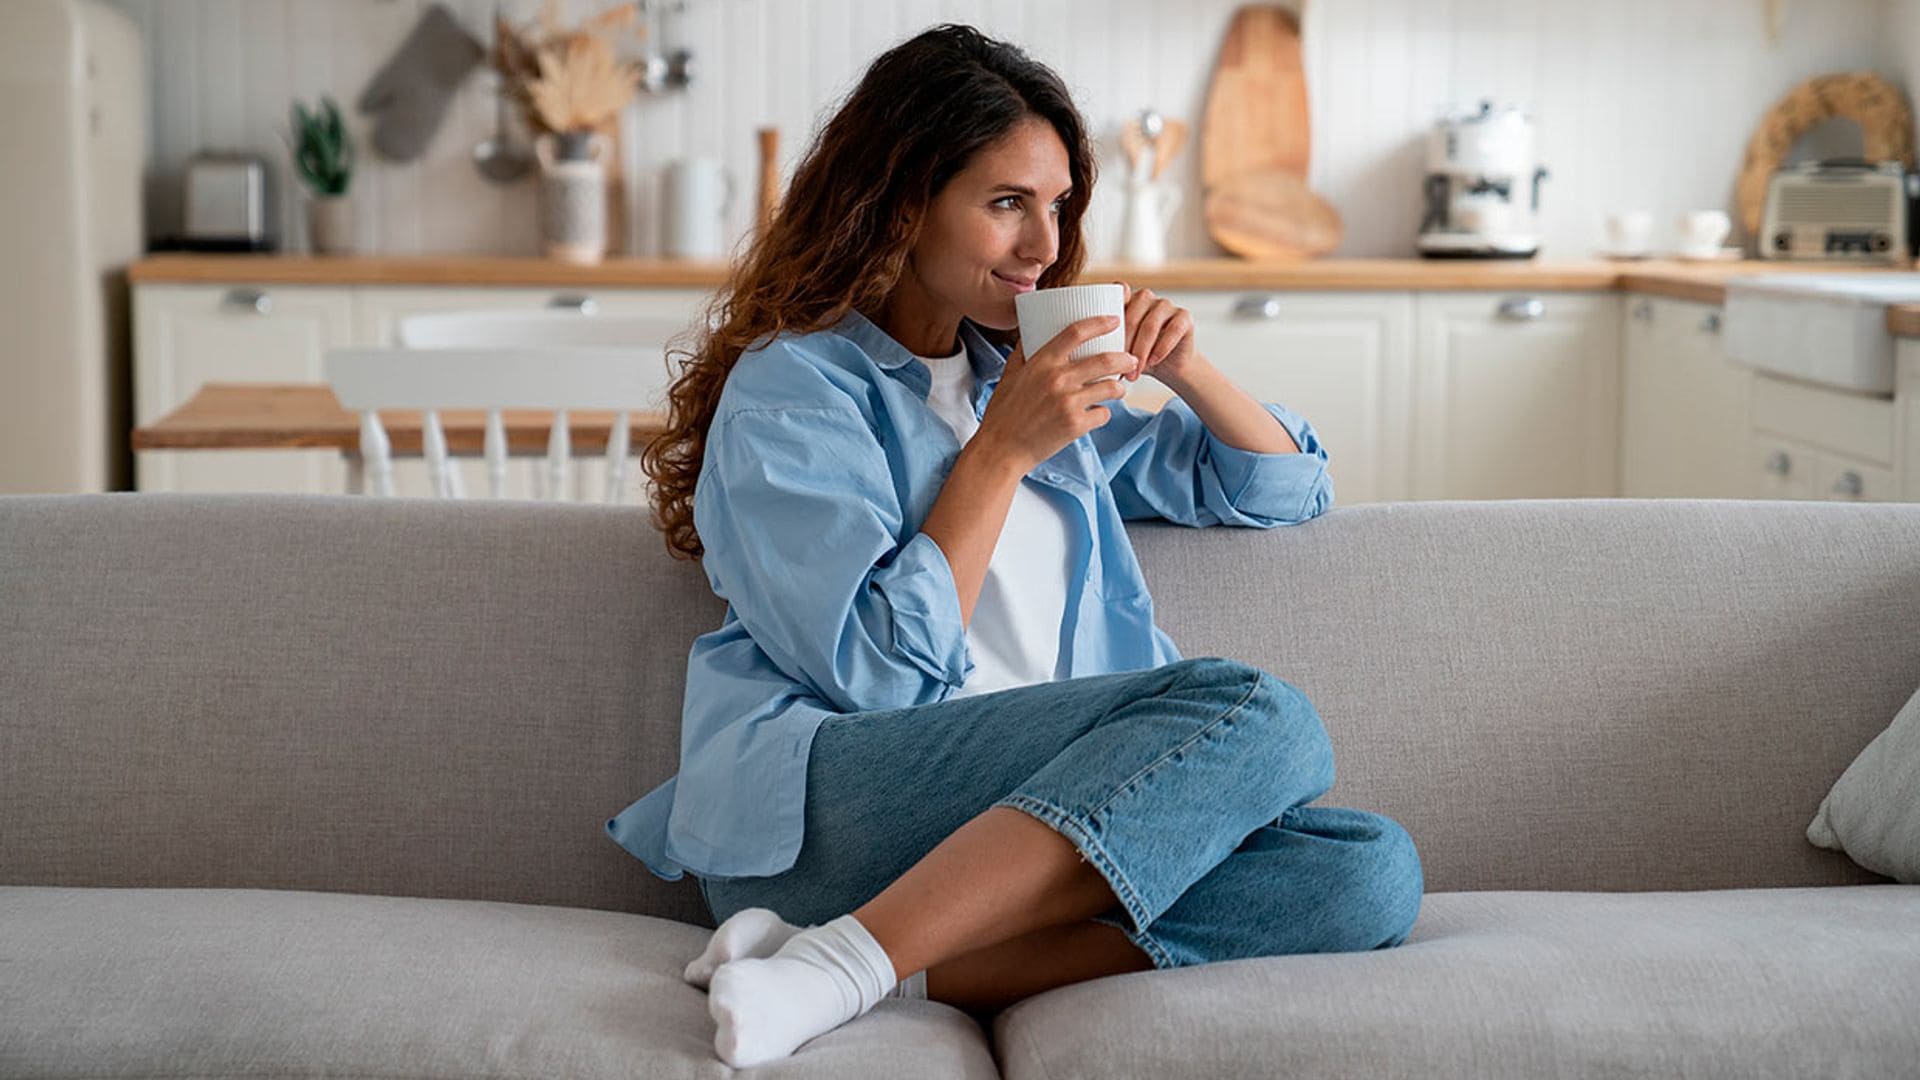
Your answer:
<point x="1823" y="328"/>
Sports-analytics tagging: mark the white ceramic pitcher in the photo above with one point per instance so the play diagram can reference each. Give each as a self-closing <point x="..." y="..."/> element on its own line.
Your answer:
<point x="1150" y="207"/>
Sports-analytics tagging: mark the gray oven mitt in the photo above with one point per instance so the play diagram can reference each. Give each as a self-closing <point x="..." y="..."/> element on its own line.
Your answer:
<point x="411" y="93"/>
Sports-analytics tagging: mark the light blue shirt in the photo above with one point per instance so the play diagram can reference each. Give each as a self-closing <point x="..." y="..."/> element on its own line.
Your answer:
<point x="821" y="464"/>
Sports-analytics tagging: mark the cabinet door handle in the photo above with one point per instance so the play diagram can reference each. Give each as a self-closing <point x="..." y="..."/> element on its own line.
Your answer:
<point x="1257" y="307"/>
<point x="1643" y="311"/>
<point x="1778" y="462"/>
<point x="254" y="300"/>
<point x="1710" y="323"/>
<point x="1849" y="484"/>
<point x="1522" y="308"/>
<point x="579" y="302"/>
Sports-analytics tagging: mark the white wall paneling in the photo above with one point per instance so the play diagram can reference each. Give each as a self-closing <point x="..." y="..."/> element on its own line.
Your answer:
<point x="1644" y="103"/>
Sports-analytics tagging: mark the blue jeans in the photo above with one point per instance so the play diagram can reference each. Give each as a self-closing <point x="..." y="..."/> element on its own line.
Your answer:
<point x="1186" y="786"/>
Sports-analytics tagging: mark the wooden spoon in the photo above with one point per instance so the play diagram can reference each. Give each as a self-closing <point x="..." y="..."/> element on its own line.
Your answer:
<point x="1134" y="142"/>
<point x="1173" y="135"/>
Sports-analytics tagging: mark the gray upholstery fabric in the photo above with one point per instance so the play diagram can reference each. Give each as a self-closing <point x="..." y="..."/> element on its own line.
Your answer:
<point x="1748" y="984"/>
<point x="428" y="698"/>
<point x="445" y="700"/>
<point x="233" y="983"/>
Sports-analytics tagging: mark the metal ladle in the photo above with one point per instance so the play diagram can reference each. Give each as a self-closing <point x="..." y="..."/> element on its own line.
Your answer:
<point x="499" y="158"/>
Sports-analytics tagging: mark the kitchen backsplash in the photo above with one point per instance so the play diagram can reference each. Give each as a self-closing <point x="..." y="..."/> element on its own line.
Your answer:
<point x="1642" y="103"/>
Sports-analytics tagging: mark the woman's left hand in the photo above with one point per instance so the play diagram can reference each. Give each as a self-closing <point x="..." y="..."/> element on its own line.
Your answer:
<point x="1159" y="335"/>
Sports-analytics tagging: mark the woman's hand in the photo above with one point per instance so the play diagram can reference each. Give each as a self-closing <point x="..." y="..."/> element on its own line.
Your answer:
<point x="1046" y="401"/>
<point x="1159" y="335"/>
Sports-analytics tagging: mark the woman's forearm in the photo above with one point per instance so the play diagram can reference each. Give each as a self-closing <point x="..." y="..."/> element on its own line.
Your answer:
<point x="967" y="517"/>
<point x="1232" y="415"/>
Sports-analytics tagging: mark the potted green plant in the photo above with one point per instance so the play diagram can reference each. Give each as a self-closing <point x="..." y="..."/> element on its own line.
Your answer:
<point x="323" y="156"/>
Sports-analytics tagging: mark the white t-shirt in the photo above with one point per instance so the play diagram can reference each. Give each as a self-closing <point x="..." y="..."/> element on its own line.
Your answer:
<point x="1014" y="638"/>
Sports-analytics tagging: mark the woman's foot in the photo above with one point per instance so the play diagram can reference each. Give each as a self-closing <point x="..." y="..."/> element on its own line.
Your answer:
<point x="825" y="976"/>
<point x="751" y="934"/>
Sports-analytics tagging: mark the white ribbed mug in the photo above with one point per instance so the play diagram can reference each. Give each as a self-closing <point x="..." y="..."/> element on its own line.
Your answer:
<point x="1044" y="313"/>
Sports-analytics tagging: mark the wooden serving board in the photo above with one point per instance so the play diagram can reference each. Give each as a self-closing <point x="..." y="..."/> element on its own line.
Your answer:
<point x="1256" y="116"/>
<point x="1271" y="215"/>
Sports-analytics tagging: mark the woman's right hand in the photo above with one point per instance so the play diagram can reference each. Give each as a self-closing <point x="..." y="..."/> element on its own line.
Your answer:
<point x="1046" y="401"/>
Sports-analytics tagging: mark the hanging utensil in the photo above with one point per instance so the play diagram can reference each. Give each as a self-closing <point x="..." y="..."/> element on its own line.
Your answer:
<point x="498" y="157"/>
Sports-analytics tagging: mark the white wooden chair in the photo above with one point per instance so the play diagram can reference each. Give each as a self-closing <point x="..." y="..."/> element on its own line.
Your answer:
<point x="495" y="360"/>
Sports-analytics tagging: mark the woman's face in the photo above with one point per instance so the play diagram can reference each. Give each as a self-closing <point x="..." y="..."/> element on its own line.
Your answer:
<point x="995" y="226"/>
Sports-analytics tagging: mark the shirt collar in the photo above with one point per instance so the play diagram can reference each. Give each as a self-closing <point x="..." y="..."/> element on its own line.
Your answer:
<point x="987" y="360"/>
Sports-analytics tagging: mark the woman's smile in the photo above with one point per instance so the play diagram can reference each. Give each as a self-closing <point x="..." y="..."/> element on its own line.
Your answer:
<point x="1017" y="284"/>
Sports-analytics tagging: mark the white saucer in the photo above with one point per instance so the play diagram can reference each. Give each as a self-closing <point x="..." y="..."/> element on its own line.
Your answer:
<point x="1610" y="253"/>
<point x="1725" y="254"/>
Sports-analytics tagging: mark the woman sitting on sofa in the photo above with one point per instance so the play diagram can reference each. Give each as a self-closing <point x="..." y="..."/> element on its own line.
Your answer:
<point x="939" y="666"/>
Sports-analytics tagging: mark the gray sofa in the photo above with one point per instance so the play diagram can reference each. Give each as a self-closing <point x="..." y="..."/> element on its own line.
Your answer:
<point x="305" y="786"/>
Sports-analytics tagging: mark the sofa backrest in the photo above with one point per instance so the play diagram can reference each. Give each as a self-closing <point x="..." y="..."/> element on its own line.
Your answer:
<point x="417" y="697"/>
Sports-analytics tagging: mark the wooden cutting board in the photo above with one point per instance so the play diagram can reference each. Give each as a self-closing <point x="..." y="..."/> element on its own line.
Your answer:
<point x="1256" y="116"/>
<point x="1271" y="215"/>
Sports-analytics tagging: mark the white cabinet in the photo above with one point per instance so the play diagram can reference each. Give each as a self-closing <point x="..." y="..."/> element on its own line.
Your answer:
<point x="1341" y="360"/>
<point x="1517" y="396"/>
<point x="378" y="310"/>
<point x="1684" y="423"/>
<point x="1907" y="421"/>
<point x="1817" y="442"/>
<point x="187" y="335"/>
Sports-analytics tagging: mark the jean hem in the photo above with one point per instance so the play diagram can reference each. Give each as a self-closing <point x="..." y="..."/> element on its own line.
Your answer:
<point x="1088" y="845"/>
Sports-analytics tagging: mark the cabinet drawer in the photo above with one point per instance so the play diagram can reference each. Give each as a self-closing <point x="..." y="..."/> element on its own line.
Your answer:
<point x="1790" y="470"/>
<point x="1781" y="470"/>
<point x="1842" y="480"/>
<point x="1853" y="424"/>
<point x="378" y="309"/>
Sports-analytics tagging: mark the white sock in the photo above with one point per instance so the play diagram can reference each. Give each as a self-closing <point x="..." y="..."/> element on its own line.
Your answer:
<point x="758" y="933"/>
<point x="751" y="932"/>
<point x="821" y="978"/>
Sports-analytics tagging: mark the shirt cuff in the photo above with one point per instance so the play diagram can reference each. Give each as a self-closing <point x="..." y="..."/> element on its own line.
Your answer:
<point x="927" y="626"/>
<point x="1282" y="487"/>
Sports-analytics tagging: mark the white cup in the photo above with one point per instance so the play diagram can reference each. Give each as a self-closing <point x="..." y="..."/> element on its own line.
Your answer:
<point x="1629" y="232"/>
<point x="1701" y="231"/>
<point x="1045" y="312"/>
<point x="698" y="191"/>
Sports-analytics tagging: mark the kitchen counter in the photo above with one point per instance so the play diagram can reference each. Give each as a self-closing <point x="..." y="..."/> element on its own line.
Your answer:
<point x="1701" y="282"/>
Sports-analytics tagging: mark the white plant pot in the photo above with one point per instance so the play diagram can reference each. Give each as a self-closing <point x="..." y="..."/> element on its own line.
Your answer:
<point x="330" y="225"/>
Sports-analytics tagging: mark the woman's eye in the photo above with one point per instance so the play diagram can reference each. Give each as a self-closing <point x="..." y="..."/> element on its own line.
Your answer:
<point x="1056" y="207"/>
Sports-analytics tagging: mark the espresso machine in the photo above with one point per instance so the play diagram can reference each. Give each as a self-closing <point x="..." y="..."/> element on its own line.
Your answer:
<point x="1482" y="186"/>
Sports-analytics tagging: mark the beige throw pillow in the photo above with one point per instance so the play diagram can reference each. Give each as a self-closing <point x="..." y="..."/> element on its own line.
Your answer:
<point x="1873" y="811"/>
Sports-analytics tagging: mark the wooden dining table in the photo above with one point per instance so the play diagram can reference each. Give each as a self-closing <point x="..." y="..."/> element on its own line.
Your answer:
<point x="294" y="416"/>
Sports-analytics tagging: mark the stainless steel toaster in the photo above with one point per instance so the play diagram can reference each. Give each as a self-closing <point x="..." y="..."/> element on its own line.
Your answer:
<point x="228" y="205"/>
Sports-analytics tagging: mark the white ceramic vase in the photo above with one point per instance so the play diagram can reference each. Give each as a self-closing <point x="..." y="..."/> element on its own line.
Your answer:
<point x="573" y="195"/>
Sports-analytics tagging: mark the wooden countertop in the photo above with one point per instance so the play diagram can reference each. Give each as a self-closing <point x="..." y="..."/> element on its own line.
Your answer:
<point x="291" y="416"/>
<point x="1699" y="281"/>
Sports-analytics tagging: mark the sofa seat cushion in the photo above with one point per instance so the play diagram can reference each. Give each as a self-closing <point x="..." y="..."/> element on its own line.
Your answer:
<point x="1749" y="983"/>
<point x="241" y="983"/>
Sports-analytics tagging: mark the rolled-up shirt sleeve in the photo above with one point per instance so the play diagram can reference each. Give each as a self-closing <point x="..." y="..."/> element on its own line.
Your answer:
<point x="798" y="513"/>
<point x="1166" y="464"/>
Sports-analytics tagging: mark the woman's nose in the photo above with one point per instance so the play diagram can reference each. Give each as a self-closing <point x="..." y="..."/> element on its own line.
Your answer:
<point x="1040" y="242"/>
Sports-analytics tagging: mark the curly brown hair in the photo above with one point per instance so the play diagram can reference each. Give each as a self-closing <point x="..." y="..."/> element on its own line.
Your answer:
<point x="841" y="237"/>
